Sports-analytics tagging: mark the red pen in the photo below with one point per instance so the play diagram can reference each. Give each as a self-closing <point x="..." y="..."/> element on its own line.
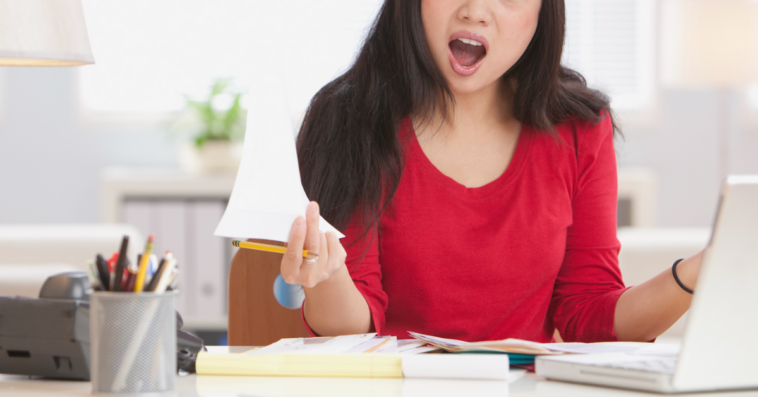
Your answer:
<point x="112" y="262"/>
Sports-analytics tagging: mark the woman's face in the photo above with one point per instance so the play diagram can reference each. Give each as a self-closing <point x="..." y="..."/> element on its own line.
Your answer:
<point x="474" y="42"/>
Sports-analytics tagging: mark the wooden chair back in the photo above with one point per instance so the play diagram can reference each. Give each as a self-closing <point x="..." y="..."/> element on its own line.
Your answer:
<point x="255" y="317"/>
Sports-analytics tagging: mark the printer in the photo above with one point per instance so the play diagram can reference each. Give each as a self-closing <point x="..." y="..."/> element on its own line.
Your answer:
<point x="49" y="336"/>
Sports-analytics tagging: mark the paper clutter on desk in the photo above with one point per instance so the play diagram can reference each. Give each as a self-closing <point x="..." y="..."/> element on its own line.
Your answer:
<point x="355" y="356"/>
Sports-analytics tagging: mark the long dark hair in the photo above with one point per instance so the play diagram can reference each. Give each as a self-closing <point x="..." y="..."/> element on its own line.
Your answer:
<point x="349" y="150"/>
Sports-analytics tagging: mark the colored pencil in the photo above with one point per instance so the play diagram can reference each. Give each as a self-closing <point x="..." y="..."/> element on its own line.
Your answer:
<point x="139" y="283"/>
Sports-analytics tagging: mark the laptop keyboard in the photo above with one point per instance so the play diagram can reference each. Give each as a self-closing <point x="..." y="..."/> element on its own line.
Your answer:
<point x="664" y="365"/>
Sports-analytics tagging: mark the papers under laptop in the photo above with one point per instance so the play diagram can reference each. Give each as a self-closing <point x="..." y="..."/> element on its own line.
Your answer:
<point x="720" y="348"/>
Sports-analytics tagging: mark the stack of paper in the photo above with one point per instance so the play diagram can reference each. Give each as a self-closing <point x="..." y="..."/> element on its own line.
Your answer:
<point x="363" y="355"/>
<point x="528" y="347"/>
<point x="523" y="351"/>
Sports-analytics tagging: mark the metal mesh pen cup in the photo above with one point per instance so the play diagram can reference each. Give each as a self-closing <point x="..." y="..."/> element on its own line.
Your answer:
<point x="133" y="343"/>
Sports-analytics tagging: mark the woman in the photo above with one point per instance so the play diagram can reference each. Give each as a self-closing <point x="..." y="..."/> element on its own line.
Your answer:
<point x="475" y="179"/>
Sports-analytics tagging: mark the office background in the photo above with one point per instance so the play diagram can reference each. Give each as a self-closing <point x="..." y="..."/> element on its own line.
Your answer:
<point x="52" y="147"/>
<point x="59" y="129"/>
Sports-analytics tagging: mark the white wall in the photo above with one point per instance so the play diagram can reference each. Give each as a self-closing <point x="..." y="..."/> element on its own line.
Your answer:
<point x="50" y="158"/>
<point x="680" y="143"/>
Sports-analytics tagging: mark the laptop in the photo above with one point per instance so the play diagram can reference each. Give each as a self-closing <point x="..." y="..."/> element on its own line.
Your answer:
<point x="720" y="345"/>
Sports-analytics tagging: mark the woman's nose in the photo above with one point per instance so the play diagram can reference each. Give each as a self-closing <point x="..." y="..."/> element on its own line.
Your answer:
<point x="475" y="11"/>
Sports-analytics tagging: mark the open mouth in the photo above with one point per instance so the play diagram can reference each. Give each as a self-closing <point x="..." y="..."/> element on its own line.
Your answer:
<point x="466" y="51"/>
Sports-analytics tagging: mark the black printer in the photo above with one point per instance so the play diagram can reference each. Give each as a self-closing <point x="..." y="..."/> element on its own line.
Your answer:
<point x="49" y="336"/>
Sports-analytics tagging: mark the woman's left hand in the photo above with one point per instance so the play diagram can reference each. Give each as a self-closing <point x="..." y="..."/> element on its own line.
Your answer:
<point x="645" y="311"/>
<point x="688" y="270"/>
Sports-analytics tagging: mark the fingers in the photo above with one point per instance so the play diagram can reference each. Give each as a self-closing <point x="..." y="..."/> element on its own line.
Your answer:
<point x="293" y="258"/>
<point x="305" y="234"/>
<point x="316" y="272"/>
<point x="312" y="237"/>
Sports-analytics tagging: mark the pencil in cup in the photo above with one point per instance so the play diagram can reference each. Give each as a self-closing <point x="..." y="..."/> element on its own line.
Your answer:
<point x="269" y="248"/>
<point x="139" y="283"/>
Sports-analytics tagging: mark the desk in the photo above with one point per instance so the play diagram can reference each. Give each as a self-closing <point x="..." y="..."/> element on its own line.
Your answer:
<point x="228" y="386"/>
<point x="530" y="385"/>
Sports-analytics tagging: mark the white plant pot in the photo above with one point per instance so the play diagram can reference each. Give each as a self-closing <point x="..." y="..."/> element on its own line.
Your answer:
<point x="214" y="157"/>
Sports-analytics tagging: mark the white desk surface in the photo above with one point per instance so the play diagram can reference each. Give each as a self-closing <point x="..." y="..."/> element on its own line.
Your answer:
<point x="530" y="385"/>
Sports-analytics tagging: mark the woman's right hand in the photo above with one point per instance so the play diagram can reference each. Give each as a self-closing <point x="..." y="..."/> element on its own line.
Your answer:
<point x="305" y="234"/>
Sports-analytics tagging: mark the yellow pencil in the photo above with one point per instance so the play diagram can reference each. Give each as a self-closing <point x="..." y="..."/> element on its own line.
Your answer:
<point x="139" y="283"/>
<point x="266" y="247"/>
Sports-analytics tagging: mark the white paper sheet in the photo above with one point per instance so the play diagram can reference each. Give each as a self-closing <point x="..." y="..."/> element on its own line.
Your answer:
<point x="337" y="344"/>
<point x="268" y="195"/>
<point x="379" y="344"/>
<point x="456" y="366"/>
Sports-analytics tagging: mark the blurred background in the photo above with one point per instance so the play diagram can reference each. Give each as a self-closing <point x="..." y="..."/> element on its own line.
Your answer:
<point x="146" y="139"/>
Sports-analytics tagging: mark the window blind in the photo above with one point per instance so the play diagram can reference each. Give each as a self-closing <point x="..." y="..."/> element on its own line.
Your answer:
<point x="150" y="52"/>
<point x="610" y="43"/>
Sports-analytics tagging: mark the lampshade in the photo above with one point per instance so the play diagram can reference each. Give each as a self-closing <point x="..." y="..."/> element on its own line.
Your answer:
<point x="709" y="43"/>
<point x="43" y="33"/>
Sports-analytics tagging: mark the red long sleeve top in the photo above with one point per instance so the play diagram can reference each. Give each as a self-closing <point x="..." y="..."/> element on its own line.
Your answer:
<point x="533" y="251"/>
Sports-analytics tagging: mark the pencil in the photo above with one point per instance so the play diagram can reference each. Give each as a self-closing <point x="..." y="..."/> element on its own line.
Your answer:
<point x="142" y="272"/>
<point x="265" y="247"/>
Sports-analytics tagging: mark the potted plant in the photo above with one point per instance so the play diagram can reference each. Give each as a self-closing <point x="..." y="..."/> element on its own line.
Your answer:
<point x="216" y="125"/>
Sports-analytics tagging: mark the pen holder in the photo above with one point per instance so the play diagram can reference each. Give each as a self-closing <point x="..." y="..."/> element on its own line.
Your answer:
<point x="133" y="343"/>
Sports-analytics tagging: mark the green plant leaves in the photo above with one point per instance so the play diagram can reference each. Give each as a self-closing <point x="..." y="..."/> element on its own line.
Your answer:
<point x="217" y="124"/>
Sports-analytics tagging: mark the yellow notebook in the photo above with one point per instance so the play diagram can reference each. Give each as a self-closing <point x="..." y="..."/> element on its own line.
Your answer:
<point x="385" y="365"/>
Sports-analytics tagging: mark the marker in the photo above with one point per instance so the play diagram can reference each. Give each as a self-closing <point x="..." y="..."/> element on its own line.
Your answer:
<point x="131" y="275"/>
<point x="103" y="272"/>
<point x="119" y="272"/>
<point x="267" y="248"/>
<point x="139" y="283"/>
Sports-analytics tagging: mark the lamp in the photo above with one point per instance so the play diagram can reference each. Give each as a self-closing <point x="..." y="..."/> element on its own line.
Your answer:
<point x="43" y="33"/>
<point x="710" y="44"/>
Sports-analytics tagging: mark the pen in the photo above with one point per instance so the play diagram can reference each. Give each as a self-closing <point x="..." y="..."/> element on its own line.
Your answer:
<point x="112" y="262"/>
<point x="174" y="284"/>
<point x="171" y="280"/>
<point x="167" y="275"/>
<point x="94" y="280"/>
<point x="119" y="273"/>
<point x="139" y="283"/>
<point x="152" y="266"/>
<point x="103" y="272"/>
<point x="267" y="248"/>
<point x="157" y="276"/>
